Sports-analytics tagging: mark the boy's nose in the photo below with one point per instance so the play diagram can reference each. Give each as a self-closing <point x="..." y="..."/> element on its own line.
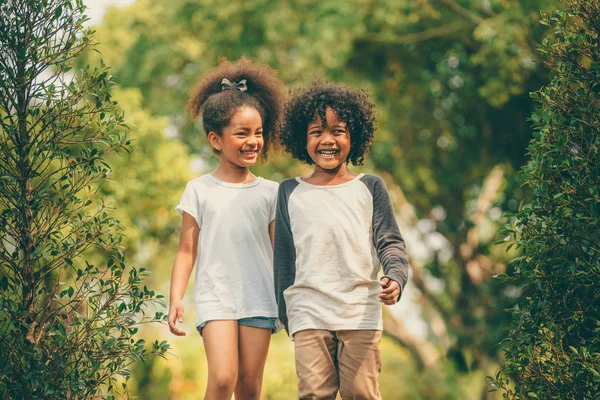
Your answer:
<point x="328" y="139"/>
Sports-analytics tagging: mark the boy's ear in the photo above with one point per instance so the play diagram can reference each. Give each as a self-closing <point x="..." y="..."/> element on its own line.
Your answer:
<point x="214" y="140"/>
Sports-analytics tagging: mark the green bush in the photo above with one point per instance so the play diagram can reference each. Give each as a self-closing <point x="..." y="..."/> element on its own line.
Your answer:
<point x="553" y="350"/>
<point x="68" y="329"/>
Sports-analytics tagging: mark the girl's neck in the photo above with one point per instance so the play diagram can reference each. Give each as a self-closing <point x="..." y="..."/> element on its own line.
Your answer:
<point x="230" y="173"/>
<point x="325" y="177"/>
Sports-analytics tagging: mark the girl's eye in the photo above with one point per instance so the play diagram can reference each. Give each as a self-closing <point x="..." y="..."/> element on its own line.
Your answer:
<point x="241" y="134"/>
<point x="258" y="134"/>
<point x="314" y="133"/>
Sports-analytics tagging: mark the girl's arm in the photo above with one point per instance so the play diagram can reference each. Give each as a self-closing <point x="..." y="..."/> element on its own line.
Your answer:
<point x="272" y="233"/>
<point x="182" y="268"/>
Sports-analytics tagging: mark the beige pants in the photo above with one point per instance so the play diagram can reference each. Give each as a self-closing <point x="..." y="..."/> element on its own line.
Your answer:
<point x="328" y="361"/>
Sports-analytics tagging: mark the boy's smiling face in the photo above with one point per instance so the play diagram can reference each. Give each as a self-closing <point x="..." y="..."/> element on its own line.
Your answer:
<point x="328" y="146"/>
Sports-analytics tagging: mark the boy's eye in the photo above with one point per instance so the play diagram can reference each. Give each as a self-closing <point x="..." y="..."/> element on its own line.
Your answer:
<point x="315" y="132"/>
<point x="241" y="134"/>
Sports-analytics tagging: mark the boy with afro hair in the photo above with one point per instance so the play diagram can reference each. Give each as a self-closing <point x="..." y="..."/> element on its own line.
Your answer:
<point x="331" y="229"/>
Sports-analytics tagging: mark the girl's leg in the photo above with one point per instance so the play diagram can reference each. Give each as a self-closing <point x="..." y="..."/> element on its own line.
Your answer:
<point x="221" y="345"/>
<point x="253" y="349"/>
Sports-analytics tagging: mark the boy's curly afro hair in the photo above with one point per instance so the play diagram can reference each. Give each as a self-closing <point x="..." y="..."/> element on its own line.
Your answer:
<point x="354" y="107"/>
<point x="264" y="92"/>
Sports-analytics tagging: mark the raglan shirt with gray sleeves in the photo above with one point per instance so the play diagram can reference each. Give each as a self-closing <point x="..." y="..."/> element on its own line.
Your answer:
<point x="330" y="242"/>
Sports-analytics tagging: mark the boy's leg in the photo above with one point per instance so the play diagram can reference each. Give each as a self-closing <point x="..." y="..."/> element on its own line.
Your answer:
<point x="253" y="349"/>
<point x="221" y="345"/>
<point x="316" y="366"/>
<point x="359" y="361"/>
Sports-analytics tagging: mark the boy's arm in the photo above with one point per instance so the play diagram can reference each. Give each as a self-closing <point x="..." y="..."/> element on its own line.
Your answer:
<point x="390" y="246"/>
<point x="284" y="259"/>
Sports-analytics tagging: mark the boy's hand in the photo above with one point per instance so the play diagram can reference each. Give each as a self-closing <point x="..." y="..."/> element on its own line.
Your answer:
<point x="176" y="315"/>
<point x="390" y="291"/>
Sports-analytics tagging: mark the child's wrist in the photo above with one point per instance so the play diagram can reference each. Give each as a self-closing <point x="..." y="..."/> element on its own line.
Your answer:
<point x="175" y="299"/>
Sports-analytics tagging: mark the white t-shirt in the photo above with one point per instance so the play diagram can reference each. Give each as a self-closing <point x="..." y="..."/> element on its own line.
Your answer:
<point x="234" y="266"/>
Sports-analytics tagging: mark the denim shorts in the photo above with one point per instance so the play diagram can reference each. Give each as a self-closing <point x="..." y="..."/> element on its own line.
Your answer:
<point x="256" y="322"/>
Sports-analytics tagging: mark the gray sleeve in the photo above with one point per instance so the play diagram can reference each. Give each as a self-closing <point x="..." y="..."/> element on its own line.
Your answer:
<point x="387" y="239"/>
<point x="284" y="259"/>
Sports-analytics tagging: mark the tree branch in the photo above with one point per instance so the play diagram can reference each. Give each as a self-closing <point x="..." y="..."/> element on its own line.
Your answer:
<point x="463" y="12"/>
<point x="426" y="354"/>
<point x="416" y="37"/>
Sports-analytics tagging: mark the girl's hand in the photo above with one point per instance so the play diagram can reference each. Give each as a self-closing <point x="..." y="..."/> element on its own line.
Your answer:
<point x="390" y="292"/>
<point x="176" y="315"/>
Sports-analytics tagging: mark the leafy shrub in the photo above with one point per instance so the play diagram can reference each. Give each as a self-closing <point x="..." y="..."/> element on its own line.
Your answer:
<point x="67" y="327"/>
<point x="553" y="351"/>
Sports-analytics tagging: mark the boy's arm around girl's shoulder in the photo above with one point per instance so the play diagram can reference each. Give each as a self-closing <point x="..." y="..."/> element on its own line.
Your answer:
<point x="387" y="239"/>
<point x="284" y="258"/>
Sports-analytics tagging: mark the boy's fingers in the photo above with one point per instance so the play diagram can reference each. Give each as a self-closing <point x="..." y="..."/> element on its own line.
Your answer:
<point x="392" y="288"/>
<point x="388" y="290"/>
<point x="391" y="298"/>
<point x="388" y="297"/>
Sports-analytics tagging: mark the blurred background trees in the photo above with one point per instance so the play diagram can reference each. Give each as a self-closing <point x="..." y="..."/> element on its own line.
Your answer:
<point x="452" y="82"/>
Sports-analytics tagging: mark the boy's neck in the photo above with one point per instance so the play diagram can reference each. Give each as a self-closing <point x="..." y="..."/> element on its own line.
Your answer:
<point x="329" y="177"/>
<point x="231" y="173"/>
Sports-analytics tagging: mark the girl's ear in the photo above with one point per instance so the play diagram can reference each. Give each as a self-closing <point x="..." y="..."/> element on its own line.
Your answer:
<point x="214" y="140"/>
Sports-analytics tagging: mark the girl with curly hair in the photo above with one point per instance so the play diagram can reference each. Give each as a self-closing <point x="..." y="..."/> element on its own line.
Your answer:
<point x="328" y="228"/>
<point x="227" y="229"/>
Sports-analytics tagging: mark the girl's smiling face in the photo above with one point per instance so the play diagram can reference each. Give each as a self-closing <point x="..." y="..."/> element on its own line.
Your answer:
<point x="328" y="146"/>
<point x="241" y="141"/>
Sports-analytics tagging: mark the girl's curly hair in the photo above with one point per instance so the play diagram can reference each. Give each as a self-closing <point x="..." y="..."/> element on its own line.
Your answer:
<point x="264" y="92"/>
<point x="354" y="107"/>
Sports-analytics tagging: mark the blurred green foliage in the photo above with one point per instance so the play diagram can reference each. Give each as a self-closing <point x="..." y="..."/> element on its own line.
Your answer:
<point x="447" y="83"/>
